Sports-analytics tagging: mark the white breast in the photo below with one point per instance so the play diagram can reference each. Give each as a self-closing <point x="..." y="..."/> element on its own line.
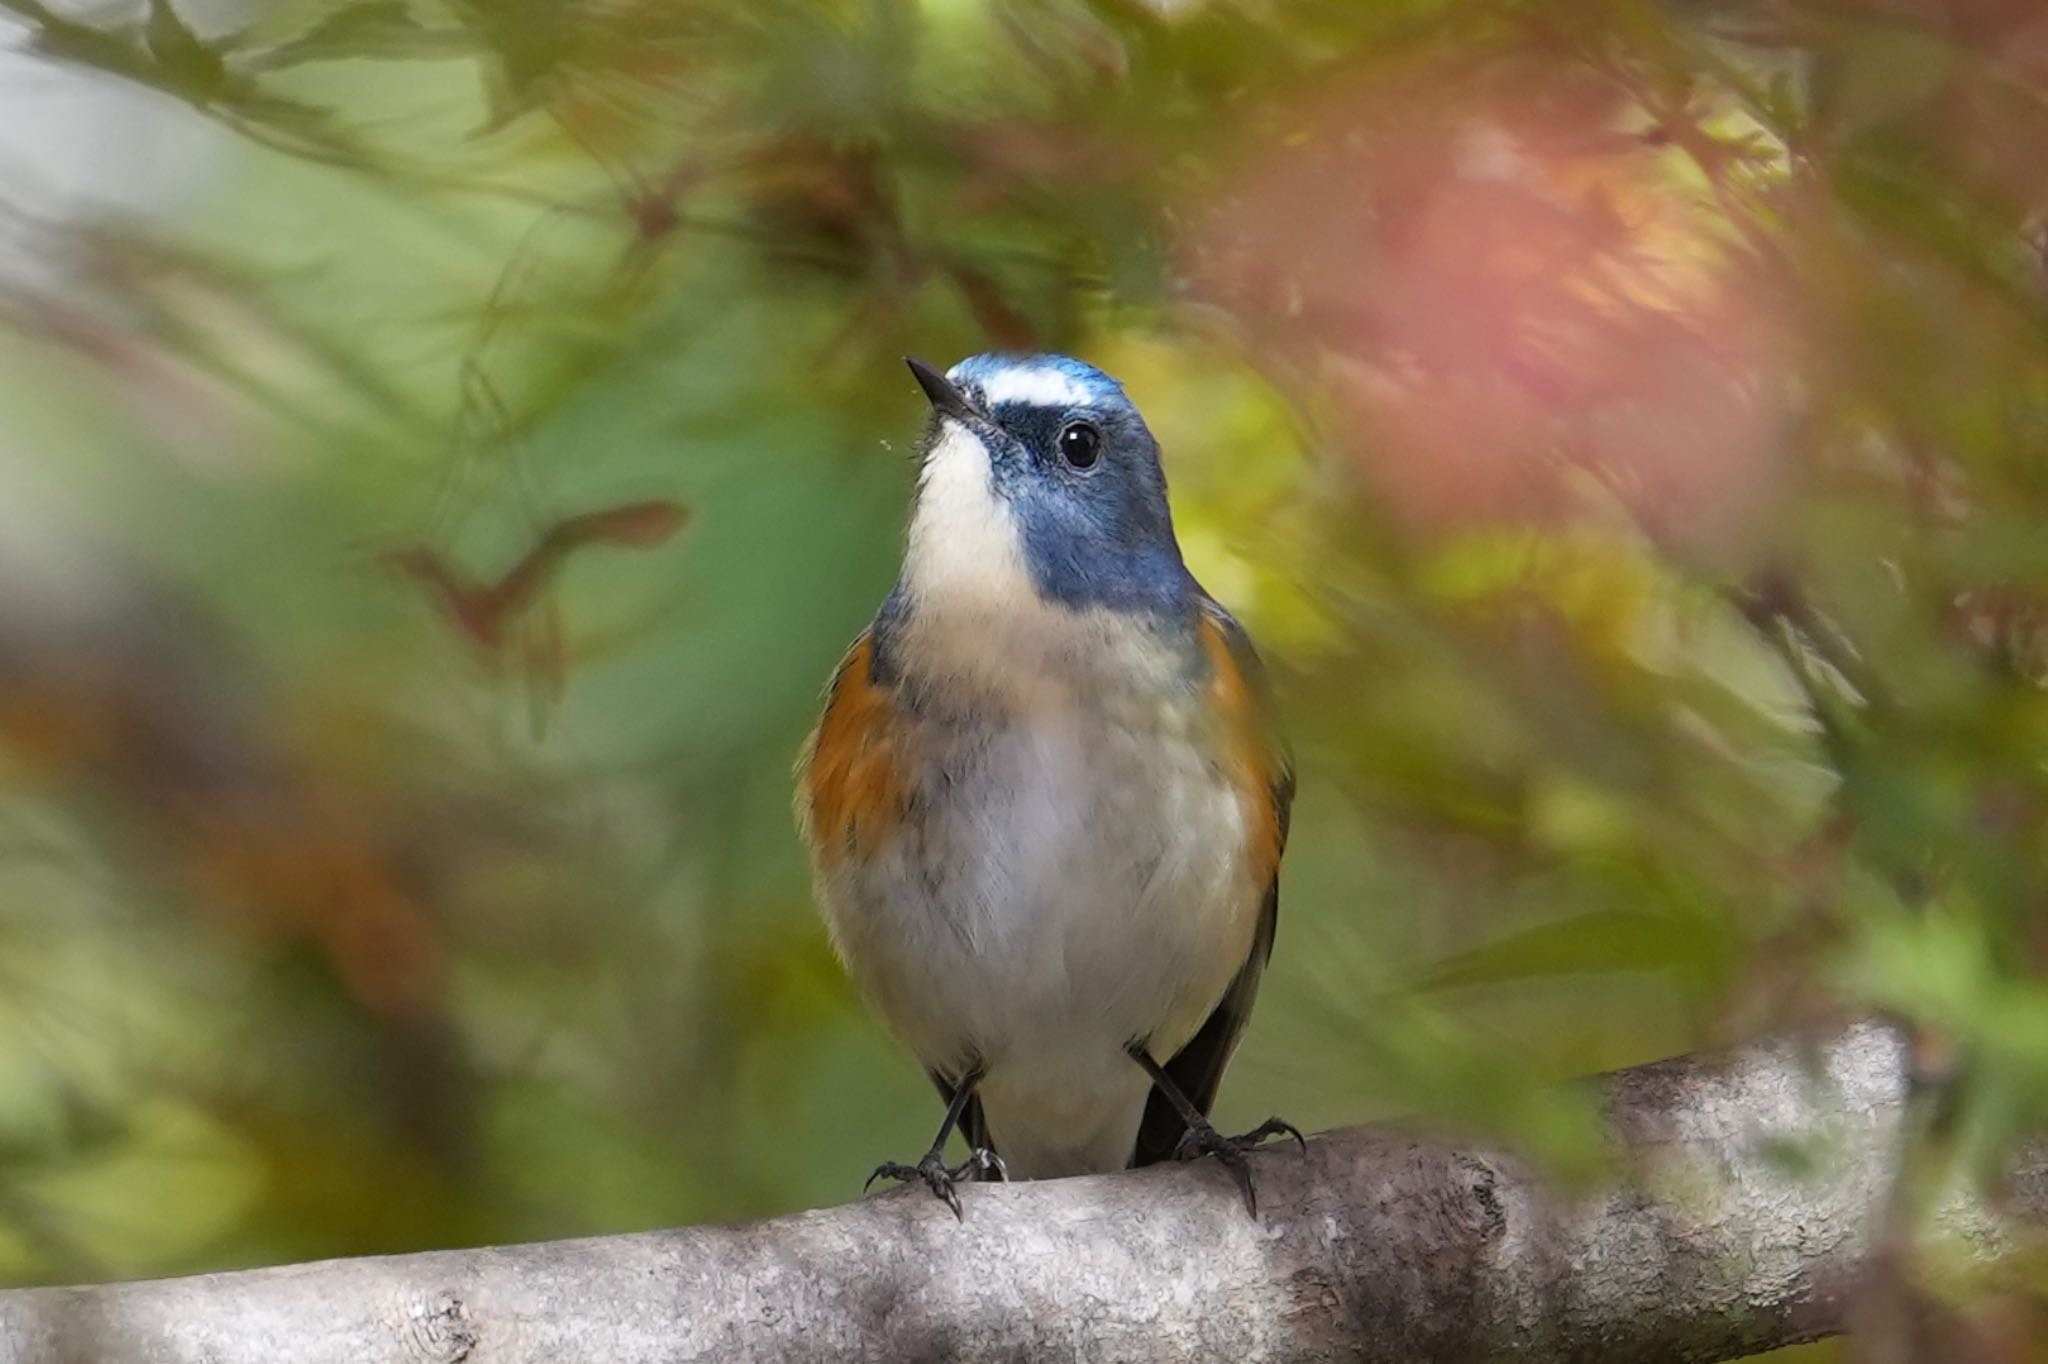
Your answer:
<point x="1076" y="880"/>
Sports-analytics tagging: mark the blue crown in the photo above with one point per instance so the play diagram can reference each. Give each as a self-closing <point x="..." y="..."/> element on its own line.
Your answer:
<point x="1000" y="380"/>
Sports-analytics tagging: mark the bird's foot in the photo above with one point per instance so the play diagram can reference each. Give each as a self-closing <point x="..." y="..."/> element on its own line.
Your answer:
<point x="1202" y="1139"/>
<point x="943" y="1179"/>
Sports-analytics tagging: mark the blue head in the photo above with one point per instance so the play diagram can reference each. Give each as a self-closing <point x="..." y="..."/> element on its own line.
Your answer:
<point x="1040" y="474"/>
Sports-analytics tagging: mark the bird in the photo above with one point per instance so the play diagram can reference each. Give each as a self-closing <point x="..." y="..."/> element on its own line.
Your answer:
<point x="1046" y="800"/>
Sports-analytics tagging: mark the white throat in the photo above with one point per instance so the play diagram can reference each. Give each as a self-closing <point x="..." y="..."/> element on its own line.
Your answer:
<point x="964" y="551"/>
<point x="975" y="617"/>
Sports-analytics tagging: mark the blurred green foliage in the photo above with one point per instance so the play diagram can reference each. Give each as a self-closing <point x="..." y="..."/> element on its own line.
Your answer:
<point x="1622" y="425"/>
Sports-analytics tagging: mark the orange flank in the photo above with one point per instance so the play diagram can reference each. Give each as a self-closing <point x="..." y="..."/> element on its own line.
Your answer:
<point x="1251" y="752"/>
<point x="852" y="786"/>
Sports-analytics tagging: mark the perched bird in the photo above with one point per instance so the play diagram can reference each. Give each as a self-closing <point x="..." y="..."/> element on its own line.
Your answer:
<point x="1046" y="801"/>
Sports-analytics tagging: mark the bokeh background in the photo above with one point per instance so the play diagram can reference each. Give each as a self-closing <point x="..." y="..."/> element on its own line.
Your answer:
<point x="445" y="445"/>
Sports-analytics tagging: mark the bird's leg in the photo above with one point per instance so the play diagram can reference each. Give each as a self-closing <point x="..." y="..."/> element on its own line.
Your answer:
<point x="939" y="1177"/>
<point x="1202" y="1138"/>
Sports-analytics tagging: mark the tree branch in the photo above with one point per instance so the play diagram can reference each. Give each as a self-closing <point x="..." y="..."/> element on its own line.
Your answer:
<point x="1754" y="1194"/>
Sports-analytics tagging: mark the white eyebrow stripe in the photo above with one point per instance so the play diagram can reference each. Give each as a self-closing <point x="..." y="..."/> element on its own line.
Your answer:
<point x="1033" y="386"/>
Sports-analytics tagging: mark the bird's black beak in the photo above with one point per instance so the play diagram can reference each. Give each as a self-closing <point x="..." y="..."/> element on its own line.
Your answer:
<point x="946" y="400"/>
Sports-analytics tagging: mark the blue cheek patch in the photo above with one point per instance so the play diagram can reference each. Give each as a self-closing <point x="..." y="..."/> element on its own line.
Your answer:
<point x="1103" y="538"/>
<point x="1102" y="541"/>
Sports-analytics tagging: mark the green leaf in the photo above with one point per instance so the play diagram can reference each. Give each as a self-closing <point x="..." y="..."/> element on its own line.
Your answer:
<point x="1601" y="940"/>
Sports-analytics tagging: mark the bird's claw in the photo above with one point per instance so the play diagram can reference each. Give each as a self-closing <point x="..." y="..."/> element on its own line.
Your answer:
<point x="1204" y="1140"/>
<point x="942" y="1179"/>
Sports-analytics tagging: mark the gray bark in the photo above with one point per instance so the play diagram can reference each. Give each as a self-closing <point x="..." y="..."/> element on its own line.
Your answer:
<point x="1753" y="1191"/>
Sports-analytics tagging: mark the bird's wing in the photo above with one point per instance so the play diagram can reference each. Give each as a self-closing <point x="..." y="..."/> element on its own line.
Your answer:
<point x="1255" y="759"/>
<point x="850" y="784"/>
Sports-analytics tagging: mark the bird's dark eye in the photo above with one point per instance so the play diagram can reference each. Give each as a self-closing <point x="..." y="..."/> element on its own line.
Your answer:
<point x="1080" y="445"/>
